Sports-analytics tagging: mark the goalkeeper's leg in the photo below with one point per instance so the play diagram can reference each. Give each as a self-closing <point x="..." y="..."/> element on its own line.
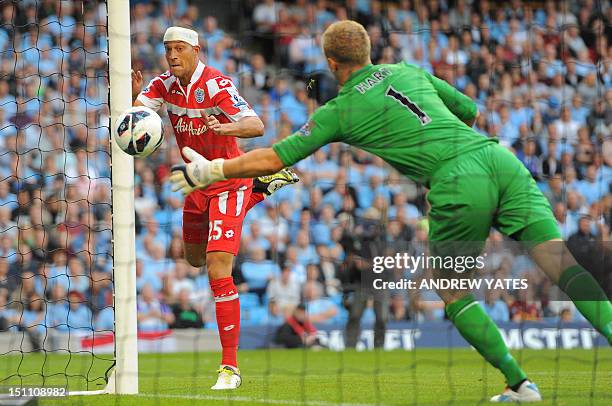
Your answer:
<point x="561" y="267"/>
<point x="524" y="214"/>
<point x="481" y="332"/>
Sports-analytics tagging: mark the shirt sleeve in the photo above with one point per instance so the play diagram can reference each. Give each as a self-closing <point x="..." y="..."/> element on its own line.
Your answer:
<point x="153" y="95"/>
<point x="322" y="128"/>
<point x="459" y="104"/>
<point x="227" y="100"/>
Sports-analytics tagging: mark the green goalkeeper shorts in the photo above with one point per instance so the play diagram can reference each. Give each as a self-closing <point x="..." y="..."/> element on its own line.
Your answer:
<point x="488" y="188"/>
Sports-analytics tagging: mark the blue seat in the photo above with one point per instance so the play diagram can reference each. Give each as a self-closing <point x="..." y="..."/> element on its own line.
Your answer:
<point x="248" y="300"/>
<point x="255" y="316"/>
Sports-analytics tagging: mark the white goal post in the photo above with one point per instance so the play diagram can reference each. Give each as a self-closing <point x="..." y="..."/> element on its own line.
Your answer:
<point x="124" y="378"/>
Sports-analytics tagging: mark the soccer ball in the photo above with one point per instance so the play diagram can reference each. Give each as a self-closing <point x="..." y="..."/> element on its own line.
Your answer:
<point x="139" y="131"/>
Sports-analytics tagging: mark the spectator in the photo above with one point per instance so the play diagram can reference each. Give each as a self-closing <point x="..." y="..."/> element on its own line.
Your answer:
<point x="262" y="75"/>
<point x="105" y="319"/>
<point x="8" y="282"/>
<point x="265" y="15"/>
<point x="587" y="89"/>
<point x="212" y="33"/>
<point x="33" y="320"/>
<point x="590" y="188"/>
<point x="531" y="161"/>
<point x="495" y="307"/>
<point x="258" y="271"/>
<point x="153" y="315"/>
<point x="525" y="307"/>
<point x="320" y="310"/>
<point x="77" y="317"/>
<point x="398" y="308"/>
<point x="185" y="315"/>
<point x="284" y="290"/>
<point x="180" y="278"/>
<point x="584" y="236"/>
<point x="566" y="127"/>
<point x="306" y="252"/>
<point x="297" y="331"/>
<point x="9" y="318"/>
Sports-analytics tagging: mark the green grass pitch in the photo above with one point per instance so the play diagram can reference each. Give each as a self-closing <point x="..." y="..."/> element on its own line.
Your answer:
<point x="294" y="377"/>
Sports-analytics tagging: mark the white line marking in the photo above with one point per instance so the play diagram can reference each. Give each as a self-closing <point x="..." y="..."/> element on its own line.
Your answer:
<point x="248" y="399"/>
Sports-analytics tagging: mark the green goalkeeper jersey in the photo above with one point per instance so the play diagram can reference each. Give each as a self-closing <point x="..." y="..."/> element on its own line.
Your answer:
<point x="400" y="112"/>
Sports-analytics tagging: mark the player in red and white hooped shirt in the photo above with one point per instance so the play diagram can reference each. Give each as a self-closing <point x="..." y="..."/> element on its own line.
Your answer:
<point x="207" y="114"/>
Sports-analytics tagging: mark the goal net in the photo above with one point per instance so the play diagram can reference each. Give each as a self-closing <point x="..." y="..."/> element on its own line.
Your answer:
<point x="60" y="273"/>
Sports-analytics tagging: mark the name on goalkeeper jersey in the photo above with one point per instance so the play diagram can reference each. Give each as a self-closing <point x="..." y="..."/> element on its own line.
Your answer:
<point x="372" y="80"/>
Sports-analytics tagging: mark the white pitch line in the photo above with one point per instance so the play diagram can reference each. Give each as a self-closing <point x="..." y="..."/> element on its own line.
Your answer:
<point x="250" y="399"/>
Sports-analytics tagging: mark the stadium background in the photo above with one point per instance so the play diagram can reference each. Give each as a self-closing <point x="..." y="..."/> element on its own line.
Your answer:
<point x="541" y="75"/>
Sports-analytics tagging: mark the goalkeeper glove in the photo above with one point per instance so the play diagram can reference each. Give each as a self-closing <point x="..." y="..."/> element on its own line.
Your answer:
<point x="199" y="173"/>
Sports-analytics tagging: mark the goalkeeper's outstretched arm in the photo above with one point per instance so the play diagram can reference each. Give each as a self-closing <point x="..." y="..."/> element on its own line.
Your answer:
<point x="255" y="163"/>
<point x="199" y="173"/>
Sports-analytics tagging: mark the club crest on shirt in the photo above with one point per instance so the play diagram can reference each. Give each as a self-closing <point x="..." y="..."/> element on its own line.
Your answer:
<point x="199" y="95"/>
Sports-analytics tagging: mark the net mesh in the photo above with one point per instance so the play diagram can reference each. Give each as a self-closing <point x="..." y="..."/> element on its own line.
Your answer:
<point x="56" y="284"/>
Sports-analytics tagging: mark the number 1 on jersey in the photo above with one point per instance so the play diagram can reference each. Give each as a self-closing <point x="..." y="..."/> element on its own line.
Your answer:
<point x="409" y="104"/>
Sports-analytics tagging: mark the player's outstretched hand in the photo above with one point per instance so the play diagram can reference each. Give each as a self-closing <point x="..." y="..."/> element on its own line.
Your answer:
<point x="213" y="124"/>
<point x="199" y="173"/>
<point x="137" y="82"/>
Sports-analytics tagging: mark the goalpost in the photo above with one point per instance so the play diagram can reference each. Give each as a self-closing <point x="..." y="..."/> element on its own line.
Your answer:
<point x="124" y="378"/>
<point x="32" y="348"/>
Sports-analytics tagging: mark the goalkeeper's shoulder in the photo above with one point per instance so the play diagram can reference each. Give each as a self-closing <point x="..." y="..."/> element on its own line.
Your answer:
<point x="403" y="65"/>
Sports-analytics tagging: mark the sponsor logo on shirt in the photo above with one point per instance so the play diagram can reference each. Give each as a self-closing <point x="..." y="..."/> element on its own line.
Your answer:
<point x="239" y="102"/>
<point x="223" y="82"/>
<point x="229" y="234"/>
<point x="182" y="127"/>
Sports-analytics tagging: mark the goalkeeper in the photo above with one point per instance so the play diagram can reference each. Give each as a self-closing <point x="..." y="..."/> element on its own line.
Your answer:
<point x="422" y="127"/>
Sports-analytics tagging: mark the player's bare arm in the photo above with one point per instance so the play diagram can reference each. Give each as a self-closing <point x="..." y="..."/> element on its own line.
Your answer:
<point x="246" y="127"/>
<point x="258" y="162"/>
<point x="137" y="82"/>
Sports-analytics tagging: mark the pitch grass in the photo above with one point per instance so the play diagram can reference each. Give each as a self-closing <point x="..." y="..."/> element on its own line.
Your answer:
<point x="293" y="377"/>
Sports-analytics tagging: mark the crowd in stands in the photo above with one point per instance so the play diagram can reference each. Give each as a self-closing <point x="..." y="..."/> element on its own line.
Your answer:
<point x="540" y="72"/>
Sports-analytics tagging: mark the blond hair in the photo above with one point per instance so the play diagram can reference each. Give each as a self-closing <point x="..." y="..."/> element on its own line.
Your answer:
<point x="347" y="42"/>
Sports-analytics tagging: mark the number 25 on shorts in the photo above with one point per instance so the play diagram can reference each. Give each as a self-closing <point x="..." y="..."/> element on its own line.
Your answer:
<point x="214" y="229"/>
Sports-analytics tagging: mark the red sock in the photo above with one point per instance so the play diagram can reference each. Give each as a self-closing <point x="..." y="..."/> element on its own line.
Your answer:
<point x="254" y="199"/>
<point x="227" y="306"/>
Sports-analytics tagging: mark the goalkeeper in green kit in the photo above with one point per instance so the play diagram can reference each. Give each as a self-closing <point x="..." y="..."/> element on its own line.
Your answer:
<point x="421" y="126"/>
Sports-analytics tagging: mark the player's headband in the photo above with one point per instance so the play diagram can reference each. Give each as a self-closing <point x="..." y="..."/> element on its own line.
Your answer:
<point x="181" y="34"/>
